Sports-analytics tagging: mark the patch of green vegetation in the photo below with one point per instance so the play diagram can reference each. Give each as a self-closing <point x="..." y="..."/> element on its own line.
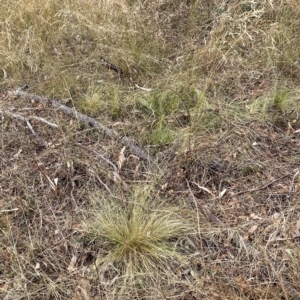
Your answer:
<point x="161" y="136"/>
<point x="207" y="120"/>
<point x="162" y="107"/>
<point x="101" y="100"/>
<point x="204" y="116"/>
<point x="260" y="106"/>
<point x="274" y="106"/>
<point x="281" y="98"/>
<point x="161" y="103"/>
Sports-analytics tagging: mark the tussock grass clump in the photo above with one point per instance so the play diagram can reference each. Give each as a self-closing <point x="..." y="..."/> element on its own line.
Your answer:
<point x="138" y="238"/>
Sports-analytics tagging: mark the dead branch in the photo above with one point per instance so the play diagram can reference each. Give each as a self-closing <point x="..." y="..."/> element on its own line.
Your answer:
<point x="86" y="120"/>
<point x="44" y="121"/>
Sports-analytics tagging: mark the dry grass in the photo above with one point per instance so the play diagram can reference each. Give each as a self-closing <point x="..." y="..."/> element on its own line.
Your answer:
<point x="210" y="90"/>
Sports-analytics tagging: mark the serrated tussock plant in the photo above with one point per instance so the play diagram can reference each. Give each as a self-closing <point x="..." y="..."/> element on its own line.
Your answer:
<point x="137" y="238"/>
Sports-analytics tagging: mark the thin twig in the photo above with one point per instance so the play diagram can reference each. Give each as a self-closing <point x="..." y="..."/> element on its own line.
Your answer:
<point x="44" y="121"/>
<point x="143" y="89"/>
<point x="105" y="185"/>
<point x="8" y="210"/>
<point x="31" y="128"/>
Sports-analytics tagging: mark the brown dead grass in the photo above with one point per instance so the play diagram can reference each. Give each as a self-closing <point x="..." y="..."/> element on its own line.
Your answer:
<point x="221" y="123"/>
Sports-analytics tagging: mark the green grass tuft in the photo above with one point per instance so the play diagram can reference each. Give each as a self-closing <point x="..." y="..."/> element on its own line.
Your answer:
<point x="139" y="238"/>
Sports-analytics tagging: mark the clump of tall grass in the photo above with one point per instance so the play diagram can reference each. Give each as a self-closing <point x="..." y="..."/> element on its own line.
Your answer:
<point x="140" y="238"/>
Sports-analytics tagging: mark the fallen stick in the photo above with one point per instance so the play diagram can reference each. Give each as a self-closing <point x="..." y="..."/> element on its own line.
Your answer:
<point x="136" y="150"/>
